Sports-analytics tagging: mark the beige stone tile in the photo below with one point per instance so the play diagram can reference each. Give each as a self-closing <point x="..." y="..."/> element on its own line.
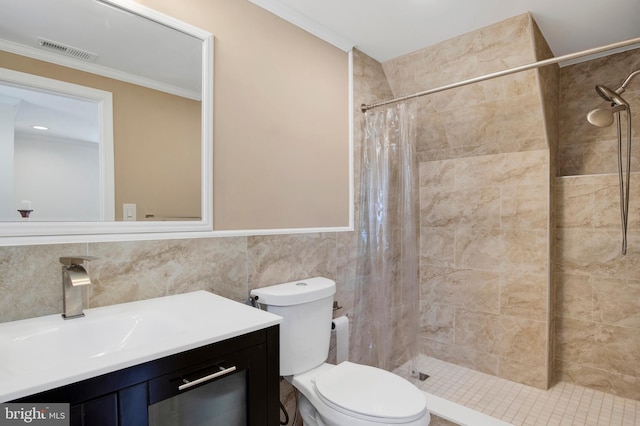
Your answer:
<point x="437" y="322"/>
<point x="607" y="203"/>
<point x="594" y="202"/>
<point x="479" y="207"/>
<point x="31" y="279"/>
<point x="432" y="135"/>
<point x="518" y="339"/>
<point x="461" y="355"/>
<point x="574" y="296"/>
<point x="437" y="247"/>
<point x="602" y="380"/>
<point x="595" y="157"/>
<point x="523" y="341"/>
<point x="632" y="259"/>
<point x="478" y="331"/>
<point x="129" y="271"/>
<point x="590" y="252"/>
<point x="524" y="296"/>
<point x="437" y="175"/>
<point x="600" y="346"/>
<point x="530" y="375"/>
<point x="593" y="180"/>
<point x="490" y="124"/>
<point x="369" y="83"/>
<point x="617" y="302"/>
<point x="274" y="259"/>
<point x="525" y="168"/>
<point x="575" y="203"/>
<point x="431" y="154"/>
<point x="606" y="210"/>
<point x="347" y="256"/>
<point x="139" y="270"/>
<point x="493" y="48"/>
<point x="521" y="251"/>
<point x="524" y="207"/>
<point x="467" y="288"/>
<point x="634" y="202"/>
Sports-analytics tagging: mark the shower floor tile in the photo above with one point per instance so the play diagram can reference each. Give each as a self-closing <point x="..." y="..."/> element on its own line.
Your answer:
<point x="565" y="404"/>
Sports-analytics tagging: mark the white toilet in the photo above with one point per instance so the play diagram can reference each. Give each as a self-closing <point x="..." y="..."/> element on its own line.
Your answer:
<point x="346" y="394"/>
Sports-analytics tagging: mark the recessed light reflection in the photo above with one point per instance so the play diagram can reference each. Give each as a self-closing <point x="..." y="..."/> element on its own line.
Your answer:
<point x="40" y="127"/>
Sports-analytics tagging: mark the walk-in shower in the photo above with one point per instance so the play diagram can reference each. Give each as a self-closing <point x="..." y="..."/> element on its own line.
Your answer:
<point x="604" y="117"/>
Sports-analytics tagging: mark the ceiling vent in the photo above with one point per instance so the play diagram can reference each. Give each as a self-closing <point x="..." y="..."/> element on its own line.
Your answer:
<point x="63" y="49"/>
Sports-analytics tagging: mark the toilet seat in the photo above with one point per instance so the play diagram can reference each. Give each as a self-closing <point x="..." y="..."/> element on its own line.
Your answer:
<point x="370" y="394"/>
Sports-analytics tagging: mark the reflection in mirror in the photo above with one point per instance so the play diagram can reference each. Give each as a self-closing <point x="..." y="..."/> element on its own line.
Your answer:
<point x="158" y="71"/>
<point x="57" y="150"/>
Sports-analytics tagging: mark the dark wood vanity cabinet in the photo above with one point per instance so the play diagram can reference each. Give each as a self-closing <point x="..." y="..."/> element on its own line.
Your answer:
<point x="245" y="367"/>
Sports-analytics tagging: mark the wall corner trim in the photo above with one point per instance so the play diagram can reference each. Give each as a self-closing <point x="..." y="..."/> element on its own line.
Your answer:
<point x="296" y="18"/>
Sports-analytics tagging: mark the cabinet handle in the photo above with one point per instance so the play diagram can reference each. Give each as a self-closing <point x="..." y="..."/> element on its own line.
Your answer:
<point x="189" y="384"/>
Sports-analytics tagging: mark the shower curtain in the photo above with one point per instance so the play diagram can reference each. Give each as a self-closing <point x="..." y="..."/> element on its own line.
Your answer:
<point x="386" y="320"/>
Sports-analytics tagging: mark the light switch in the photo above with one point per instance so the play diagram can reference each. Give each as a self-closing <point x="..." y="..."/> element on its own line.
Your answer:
<point x="129" y="212"/>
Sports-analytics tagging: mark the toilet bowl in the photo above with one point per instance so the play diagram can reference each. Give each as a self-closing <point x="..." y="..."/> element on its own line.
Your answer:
<point x="347" y="394"/>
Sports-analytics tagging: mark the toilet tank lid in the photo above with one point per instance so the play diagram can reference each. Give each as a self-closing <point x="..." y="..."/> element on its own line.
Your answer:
<point x="295" y="292"/>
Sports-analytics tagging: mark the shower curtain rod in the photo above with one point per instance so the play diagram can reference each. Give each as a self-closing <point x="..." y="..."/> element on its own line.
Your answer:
<point x="544" y="62"/>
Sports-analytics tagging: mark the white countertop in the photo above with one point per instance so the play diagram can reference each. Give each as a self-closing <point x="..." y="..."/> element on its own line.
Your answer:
<point x="44" y="353"/>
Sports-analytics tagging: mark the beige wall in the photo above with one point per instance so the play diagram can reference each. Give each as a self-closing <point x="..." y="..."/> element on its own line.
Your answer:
<point x="281" y="118"/>
<point x="598" y="296"/>
<point x="156" y="141"/>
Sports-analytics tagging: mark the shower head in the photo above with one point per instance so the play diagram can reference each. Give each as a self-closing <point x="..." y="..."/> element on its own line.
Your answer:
<point x="611" y="95"/>
<point x="603" y="117"/>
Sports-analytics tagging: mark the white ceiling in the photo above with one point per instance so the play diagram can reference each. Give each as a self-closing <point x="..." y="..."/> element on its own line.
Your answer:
<point x="385" y="29"/>
<point x="127" y="46"/>
<point x="67" y="118"/>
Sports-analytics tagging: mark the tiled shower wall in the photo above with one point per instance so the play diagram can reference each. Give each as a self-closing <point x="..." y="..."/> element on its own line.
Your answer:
<point x="598" y="295"/>
<point x="485" y="171"/>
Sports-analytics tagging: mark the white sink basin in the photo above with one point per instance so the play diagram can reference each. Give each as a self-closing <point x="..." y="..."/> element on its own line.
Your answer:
<point x="84" y="338"/>
<point x="46" y="352"/>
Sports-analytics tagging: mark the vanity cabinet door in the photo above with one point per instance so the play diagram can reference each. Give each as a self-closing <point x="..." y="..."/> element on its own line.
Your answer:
<point x="101" y="411"/>
<point x="132" y="405"/>
<point x="226" y="391"/>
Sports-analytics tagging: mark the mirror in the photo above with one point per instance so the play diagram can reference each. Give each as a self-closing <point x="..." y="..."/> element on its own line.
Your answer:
<point x="158" y="71"/>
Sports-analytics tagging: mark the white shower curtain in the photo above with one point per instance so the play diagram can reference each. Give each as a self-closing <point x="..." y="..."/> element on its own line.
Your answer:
<point x="386" y="320"/>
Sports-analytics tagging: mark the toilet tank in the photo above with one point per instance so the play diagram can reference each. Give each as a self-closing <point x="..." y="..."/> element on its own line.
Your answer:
<point x="306" y="307"/>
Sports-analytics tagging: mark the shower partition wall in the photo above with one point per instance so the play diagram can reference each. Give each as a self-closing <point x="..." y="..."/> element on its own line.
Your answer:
<point x="485" y="160"/>
<point x="386" y="320"/>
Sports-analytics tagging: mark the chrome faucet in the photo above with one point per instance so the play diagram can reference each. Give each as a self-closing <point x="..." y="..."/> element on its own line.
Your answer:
<point x="74" y="278"/>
